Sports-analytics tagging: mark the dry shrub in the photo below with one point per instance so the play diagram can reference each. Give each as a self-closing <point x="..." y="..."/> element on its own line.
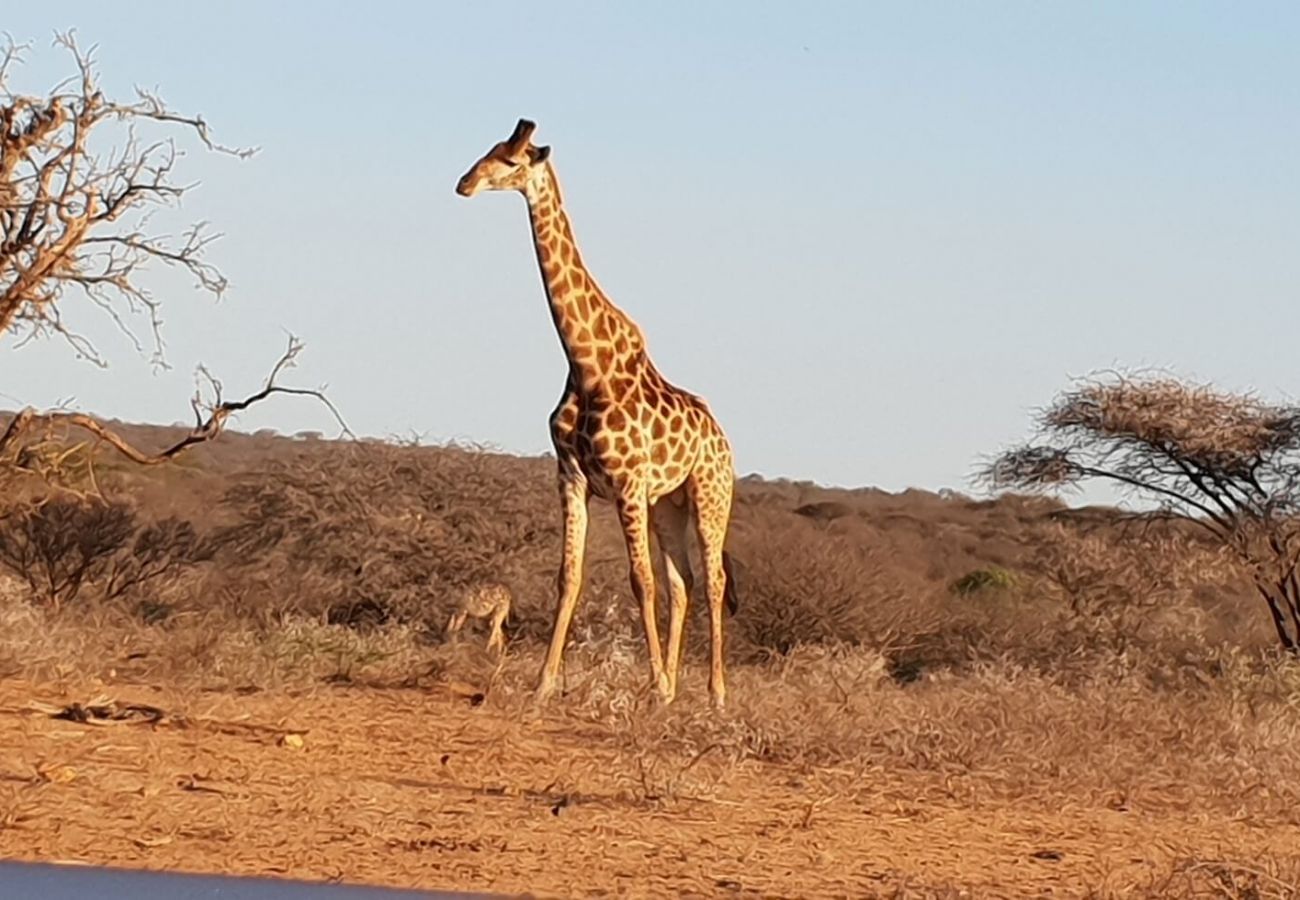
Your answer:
<point x="378" y="532"/>
<point x="1192" y="878"/>
<point x="59" y="545"/>
<point x="979" y="581"/>
<point x="805" y="586"/>
<point x="161" y="551"/>
<point x="1110" y="730"/>
<point x="190" y="648"/>
<point x="992" y="733"/>
<point x="1103" y="675"/>
<point x="1131" y="586"/>
<point x="1228" y="464"/>
<point x="371" y="535"/>
<point x="67" y="543"/>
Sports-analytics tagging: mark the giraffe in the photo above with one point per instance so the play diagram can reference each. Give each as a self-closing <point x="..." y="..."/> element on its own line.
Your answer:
<point x="621" y="433"/>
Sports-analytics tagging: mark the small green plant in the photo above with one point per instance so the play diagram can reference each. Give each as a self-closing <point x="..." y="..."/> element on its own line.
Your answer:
<point x="977" y="581"/>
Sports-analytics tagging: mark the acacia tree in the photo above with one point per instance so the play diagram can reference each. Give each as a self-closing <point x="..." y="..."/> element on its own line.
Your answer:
<point x="1229" y="463"/>
<point x="81" y="177"/>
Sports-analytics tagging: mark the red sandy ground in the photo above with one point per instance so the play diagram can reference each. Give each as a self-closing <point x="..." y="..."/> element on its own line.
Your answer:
<point x="418" y="789"/>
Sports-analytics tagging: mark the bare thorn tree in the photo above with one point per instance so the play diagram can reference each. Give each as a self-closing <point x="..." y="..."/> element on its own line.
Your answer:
<point x="80" y="177"/>
<point x="1230" y="463"/>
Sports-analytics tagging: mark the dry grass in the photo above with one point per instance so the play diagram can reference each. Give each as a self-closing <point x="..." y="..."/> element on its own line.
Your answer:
<point x="1214" y="732"/>
<point x="1103" y="668"/>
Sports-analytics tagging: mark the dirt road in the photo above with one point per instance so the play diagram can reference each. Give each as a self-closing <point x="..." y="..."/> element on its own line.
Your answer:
<point x="421" y="789"/>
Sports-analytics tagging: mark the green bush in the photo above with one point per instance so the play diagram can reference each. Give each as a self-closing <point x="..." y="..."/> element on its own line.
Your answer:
<point x="993" y="578"/>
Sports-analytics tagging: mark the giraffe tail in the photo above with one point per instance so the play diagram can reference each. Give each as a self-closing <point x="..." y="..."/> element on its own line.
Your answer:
<point x="730" y="596"/>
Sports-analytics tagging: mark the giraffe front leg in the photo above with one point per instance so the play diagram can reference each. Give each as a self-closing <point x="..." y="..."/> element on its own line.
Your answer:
<point x="634" y="515"/>
<point x="717" y="586"/>
<point x="679" y="595"/>
<point x="574" y="490"/>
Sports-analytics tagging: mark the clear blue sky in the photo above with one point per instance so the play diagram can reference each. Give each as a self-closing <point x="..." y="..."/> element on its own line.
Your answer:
<point x="875" y="236"/>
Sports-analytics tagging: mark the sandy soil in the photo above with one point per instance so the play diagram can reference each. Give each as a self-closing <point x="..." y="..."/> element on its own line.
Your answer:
<point x="421" y="789"/>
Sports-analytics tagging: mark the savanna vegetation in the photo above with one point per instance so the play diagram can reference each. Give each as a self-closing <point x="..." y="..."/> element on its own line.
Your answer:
<point x="1013" y="648"/>
<point x="923" y="661"/>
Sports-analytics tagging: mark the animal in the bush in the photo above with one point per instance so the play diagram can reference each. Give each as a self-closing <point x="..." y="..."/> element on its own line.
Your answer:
<point x="490" y="601"/>
<point x="621" y="432"/>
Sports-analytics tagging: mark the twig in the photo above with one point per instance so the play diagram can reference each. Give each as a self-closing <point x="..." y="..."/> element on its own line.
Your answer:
<point x="211" y="417"/>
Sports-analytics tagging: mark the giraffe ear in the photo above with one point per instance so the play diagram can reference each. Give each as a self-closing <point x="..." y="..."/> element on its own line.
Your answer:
<point x="523" y="131"/>
<point x="540" y="154"/>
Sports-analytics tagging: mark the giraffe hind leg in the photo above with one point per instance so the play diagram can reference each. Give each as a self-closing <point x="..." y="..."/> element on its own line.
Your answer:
<point x="672" y="521"/>
<point x="731" y="596"/>
<point x="634" y="514"/>
<point x="711" y="492"/>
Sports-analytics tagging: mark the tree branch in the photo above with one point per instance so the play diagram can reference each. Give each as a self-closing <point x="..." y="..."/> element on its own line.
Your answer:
<point x="211" y="416"/>
<point x="72" y="216"/>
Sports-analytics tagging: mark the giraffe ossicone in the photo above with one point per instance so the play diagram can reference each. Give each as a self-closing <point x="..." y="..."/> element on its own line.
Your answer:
<point x="622" y="433"/>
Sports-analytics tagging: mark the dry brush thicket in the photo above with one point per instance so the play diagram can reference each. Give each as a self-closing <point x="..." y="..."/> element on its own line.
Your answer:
<point x="1227" y="464"/>
<point x="983" y="639"/>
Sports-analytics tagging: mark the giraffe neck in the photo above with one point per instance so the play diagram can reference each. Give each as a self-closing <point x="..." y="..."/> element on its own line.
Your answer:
<point x="595" y="333"/>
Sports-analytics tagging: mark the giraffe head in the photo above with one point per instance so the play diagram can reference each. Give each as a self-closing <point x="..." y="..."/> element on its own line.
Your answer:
<point x="508" y="166"/>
